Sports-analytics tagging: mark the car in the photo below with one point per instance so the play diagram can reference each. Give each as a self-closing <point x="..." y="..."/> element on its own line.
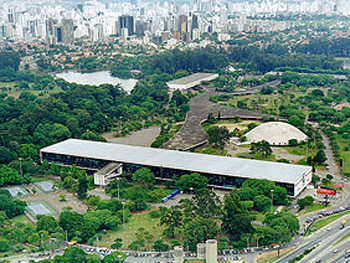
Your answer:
<point x="328" y="229"/>
<point x="347" y="255"/>
<point x="336" y="250"/>
<point x="318" y="261"/>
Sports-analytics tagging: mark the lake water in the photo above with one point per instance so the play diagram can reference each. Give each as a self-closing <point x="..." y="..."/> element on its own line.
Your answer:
<point x="97" y="78"/>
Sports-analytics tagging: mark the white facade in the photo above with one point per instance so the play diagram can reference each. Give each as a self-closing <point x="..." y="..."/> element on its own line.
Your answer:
<point x="190" y="81"/>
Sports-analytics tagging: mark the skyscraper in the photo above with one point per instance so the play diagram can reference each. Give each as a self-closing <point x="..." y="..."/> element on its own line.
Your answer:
<point x="67" y="28"/>
<point x="126" y="22"/>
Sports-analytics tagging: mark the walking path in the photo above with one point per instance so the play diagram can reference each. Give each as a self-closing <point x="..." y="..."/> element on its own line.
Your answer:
<point x="191" y="133"/>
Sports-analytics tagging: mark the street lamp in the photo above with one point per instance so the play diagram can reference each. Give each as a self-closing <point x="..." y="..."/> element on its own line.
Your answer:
<point x="123" y="213"/>
<point x="272" y="190"/>
<point x="257" y="242"/>
<point x="247" y="242"/>
<point x="118" y="178"/>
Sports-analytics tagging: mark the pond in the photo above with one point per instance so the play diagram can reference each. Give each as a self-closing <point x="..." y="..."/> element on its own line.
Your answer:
<point x="97" y="78"/>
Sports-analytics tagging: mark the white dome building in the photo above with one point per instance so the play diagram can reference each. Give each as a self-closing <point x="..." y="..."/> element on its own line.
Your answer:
<point x="276" y="133"/>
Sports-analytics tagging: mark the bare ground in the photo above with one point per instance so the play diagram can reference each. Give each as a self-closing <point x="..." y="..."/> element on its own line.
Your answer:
<point x="143" y="137"/>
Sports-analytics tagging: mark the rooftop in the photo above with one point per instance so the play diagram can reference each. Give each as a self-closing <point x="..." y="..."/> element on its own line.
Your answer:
<point x="191" y="78"/>
<point x="201" y="163"/>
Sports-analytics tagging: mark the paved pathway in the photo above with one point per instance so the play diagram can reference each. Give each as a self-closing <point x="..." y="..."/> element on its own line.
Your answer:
<point x="191" y="133"/>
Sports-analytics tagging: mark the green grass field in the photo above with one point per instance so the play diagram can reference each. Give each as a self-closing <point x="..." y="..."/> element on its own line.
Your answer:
<point x="127" y="231"/>
<point x="312" y="208"/>
<point x="344" y="153"/>
<point x="20" y="219"/>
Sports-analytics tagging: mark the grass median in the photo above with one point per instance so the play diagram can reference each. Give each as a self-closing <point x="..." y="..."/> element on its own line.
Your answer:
<point x="326" y="221"/>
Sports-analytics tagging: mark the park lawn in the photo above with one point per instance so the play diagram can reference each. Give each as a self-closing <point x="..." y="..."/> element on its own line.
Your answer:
<point x="15" y="92"/>
<point x="326" y="221"/>
<point x="20" y="219"/>
<point x="127" y="231"/>
<point x="39" y="178"/>
<point x="299" y="150"/>
<point x="345" y="155"/>
<point x="312" y="208"/>
<point x="346" y="161"/>
<point x="271" y="257"/>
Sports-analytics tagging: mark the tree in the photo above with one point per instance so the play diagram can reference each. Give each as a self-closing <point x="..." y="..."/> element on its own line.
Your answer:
<point x="4" y="245"/>
<point x="295" y="121"/>
<point x="135" y="245"/>
<point x="46" y="223"/>
<point x="72" y="255"/>
<point x="325" y="181"/>
<point x="115" y="257"/>
<point x="192" y="181"/>
<point x="70" y="184"/>
<point x="329" y="177"/>
<point x="11" y="207"/>
<point x="144" y="177"/>
<point x="223" y="243"/>
<point x="293" y="142"/>
<point x="236" y="221"/>
<point x="72" y="222"/>
<point x="9" y="175"/>
<point x="82" y="186"/>
<point x="118" y="243"/>
<point x="320" y="157"/>
<point x="315" y="179"/>
<point x="160" y="246"/>
<point x="262" y="147"/>
<point x="198" y="230"/>
<point x="207" y="204"/>
<point x="284" y="219"/>
<point x="218" y="135"/>
<point x="306" y="201"/>
<point x="172" y="220"/>
<point x="262" y="203"/>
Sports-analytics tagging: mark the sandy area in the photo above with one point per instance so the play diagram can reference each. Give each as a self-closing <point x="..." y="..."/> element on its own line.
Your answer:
<point x="240" y="126"/>
<point x="279" y="153"/>
<point x="343" y="105"/>
<point x="143" y="137"/>
<point x="53" y="199"/>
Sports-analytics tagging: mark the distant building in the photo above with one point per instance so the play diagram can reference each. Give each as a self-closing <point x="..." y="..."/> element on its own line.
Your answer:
<point x="191" y="81"/>
<point x="126" y="21"/>
<point x="67" y="31"/>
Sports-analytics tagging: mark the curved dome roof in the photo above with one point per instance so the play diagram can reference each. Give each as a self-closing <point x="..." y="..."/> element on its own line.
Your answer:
<point x="276" y="133"/>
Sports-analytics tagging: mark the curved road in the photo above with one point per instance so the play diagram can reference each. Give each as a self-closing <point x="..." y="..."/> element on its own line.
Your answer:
<point x="191" y="133"/>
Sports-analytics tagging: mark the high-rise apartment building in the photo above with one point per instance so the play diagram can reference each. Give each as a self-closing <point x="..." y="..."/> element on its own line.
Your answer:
<point x="126" y="21"/>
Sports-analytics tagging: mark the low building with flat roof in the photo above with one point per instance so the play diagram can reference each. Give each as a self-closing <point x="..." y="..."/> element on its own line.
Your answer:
<point x="222" y="172"/>
<point x="190" y="81"/>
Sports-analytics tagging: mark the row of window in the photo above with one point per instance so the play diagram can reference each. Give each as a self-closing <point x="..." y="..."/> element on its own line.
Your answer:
<point x="214" y="179"/>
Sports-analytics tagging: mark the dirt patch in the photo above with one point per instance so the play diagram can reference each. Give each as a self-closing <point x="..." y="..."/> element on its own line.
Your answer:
<point x="53" y="199"/>
<point x="281" y="153"/>
<point x="240" y="126"/>
<point x="143" y="137"/>
<point x="343" y="105"/>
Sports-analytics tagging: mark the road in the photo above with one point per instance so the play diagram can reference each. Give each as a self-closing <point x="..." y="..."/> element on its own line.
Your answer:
<point x="323" y="239"/>
<point x="192" y="134"/>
